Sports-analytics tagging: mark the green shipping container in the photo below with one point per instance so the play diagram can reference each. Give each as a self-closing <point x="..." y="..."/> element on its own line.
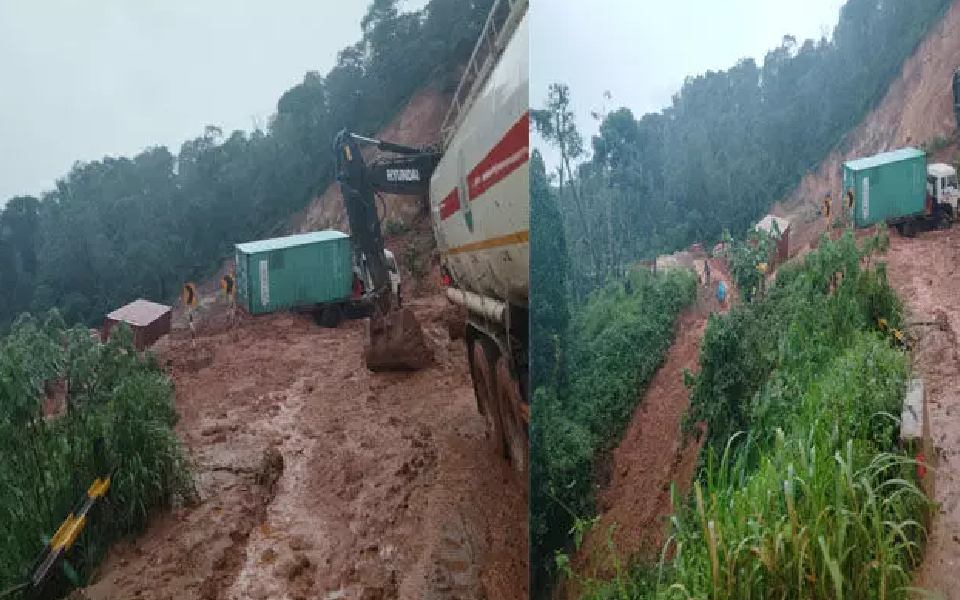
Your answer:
<point x="886" y="186"/>
<point x="297" y="270"/>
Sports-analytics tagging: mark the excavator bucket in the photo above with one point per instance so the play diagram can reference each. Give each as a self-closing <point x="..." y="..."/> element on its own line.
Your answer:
<point x="395" y="342"/>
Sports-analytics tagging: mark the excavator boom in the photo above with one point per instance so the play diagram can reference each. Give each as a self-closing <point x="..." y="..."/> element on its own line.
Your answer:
<point x="395" y="339"/>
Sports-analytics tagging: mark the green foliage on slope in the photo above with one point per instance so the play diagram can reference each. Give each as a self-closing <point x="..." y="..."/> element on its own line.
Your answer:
<point x="614" y="345"/>
<point x="119" y="415"/>
<point x="804" y="492"/>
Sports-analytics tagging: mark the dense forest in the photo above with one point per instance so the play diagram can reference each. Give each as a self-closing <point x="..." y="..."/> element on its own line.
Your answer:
<point x="729" y="145"/>
<point x="123" y="227"/>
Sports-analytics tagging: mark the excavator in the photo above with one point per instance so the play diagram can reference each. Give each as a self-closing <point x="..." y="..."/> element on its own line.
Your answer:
<point x="476" y="179"/>
<point x="394" y="340"/>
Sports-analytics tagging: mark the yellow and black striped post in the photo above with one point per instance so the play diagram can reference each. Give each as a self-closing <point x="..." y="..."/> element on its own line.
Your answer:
<point x="67" y="534"/>
<point x="189" y="294"/>
<point x="228" y="285"/>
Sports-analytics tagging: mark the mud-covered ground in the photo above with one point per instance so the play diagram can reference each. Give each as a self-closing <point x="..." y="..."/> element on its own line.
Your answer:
<point x="925" y="271"/>
<point x="319" y="479"/>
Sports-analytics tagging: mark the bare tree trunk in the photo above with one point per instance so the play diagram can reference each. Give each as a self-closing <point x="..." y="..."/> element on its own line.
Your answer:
<point x="565" y="162"/>
<point x="588" y="238"/>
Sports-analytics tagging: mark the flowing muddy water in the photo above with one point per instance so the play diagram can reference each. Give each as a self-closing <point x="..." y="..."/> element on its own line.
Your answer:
<point x="319" y="479"/>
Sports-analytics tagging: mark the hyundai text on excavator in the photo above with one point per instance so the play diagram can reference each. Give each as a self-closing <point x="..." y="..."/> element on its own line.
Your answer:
<point x="478" y="183"/>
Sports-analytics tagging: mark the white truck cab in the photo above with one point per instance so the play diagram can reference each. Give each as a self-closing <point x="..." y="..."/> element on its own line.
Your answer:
<point x="942" y="186"/>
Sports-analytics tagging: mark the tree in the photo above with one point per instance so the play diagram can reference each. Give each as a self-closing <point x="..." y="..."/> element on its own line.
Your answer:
<point x="557" y="124"/>
<point x="548" y="278"/>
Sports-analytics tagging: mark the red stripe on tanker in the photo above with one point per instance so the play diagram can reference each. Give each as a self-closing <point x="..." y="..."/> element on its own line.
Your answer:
<point x="506" y="157"/>
<point x="450" y="204"/>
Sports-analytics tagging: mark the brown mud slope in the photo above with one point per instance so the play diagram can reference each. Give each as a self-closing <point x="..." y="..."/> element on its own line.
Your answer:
<point x="925" y="271"/>
<point x="319" y="479"/>
<point x="917" y="108"/>
<point x="653" y="455"/>
<point x="418" y="124"/>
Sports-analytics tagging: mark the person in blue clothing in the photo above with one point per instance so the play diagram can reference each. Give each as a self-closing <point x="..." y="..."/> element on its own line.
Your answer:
<point x="721" y="292"/>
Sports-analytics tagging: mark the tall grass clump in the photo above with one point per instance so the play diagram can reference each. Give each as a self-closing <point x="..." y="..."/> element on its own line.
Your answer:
<point x="615" y="343"/>
<point x="119" y="416"/>
<point x="803" y="492"/>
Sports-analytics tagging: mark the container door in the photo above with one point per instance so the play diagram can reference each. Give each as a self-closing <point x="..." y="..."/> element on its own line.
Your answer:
<point x="264" y="266"/>
<point x="865" y="200"/>
<point x="240" y="261"/>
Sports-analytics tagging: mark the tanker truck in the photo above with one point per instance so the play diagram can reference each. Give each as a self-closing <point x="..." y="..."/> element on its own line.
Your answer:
<point x="476" y="177"/>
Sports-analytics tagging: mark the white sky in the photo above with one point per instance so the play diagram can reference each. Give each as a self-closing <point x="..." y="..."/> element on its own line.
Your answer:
<point x="641" y="51"/>
<point x="80" y="79"/>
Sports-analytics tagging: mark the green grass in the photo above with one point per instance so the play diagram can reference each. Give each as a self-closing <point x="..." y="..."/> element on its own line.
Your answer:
<point x="120" y="415"/>
<point x="803" y="492"/>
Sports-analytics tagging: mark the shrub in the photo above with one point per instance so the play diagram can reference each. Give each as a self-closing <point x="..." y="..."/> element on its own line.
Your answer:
<point x="803" y="492"/>
<point x="119" y="415"/>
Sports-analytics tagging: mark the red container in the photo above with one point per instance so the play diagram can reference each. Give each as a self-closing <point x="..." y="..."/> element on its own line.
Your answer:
<point x="147" y="320"/>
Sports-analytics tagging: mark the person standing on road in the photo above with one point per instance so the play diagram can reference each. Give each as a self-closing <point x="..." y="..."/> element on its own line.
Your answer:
<point x="721" y="293"/>
<point x="706" y="273"/>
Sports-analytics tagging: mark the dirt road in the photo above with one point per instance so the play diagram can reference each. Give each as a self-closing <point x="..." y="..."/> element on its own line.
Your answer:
<point x="319" y="479"/>
<point x="653" y="455"/>
<point x="925" y="271"/>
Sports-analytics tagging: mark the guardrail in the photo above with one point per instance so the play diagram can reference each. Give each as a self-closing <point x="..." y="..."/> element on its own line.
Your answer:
<point x="502" y="21"/>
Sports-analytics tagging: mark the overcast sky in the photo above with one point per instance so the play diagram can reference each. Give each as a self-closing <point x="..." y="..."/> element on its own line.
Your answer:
<point x="641" y="51"/>
<point x="81" y="79"/>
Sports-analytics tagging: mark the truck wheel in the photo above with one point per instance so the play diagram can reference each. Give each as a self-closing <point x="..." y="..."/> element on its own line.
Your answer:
<point x="330" y="316"/>
<point x="483" y="385"/>
<point x="511" y="409"/>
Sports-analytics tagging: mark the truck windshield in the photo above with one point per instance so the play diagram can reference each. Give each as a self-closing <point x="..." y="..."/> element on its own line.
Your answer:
<point x="952" y="181"/>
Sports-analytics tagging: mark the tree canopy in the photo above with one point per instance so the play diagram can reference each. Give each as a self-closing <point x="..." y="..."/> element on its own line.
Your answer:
<point x="122" y="227"/>
<point x="730" y="144"/>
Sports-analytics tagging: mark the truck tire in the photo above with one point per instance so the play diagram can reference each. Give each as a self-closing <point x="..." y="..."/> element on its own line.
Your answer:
<point x="485" y="389"/>
<point x="945" y="220"/>
<point x="330" y="316"/>
<point x="511" y="410"/>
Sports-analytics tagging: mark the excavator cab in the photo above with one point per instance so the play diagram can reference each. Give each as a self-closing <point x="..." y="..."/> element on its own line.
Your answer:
<point x="394" y="338"/>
